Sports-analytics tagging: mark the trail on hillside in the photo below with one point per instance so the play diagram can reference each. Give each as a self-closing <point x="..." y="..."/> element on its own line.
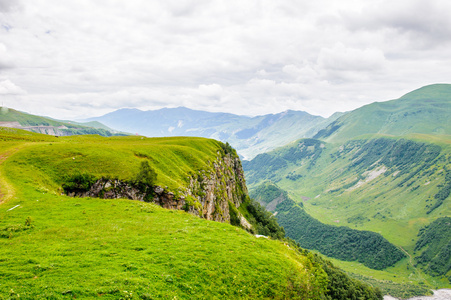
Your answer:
<point x="412" y="264"/>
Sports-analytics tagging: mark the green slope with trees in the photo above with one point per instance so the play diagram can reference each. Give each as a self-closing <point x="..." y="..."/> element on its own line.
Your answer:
<point x="342" y="243"/>
<point x="393" y="186"/>
<point x="382" y="168"/>
<point x="434" y="244"/>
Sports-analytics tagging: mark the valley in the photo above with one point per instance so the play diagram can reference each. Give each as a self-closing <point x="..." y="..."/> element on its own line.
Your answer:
<point x="368" y="189"/>
<point x="355" y="175"/>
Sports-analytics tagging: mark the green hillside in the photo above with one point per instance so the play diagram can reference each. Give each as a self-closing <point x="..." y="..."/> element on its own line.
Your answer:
<point x="16" y="119"/>
<point x="391" y="186"/>
<point x="11" y="115"/>
<point x="434" y="243"/>
<point x="426" y="110"/>
<point x="344" y="243"/>
<point x="363" y="249"/>
<point x="57" y="247"/>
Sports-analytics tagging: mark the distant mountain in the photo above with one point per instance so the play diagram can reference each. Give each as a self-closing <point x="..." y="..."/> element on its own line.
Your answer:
<point x="426" y="110"/>
<point x="249" y="135"/>
<point x="16" y="119"/>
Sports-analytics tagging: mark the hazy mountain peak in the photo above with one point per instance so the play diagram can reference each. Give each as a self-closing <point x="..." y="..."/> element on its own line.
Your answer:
<point x="249" y="135"/>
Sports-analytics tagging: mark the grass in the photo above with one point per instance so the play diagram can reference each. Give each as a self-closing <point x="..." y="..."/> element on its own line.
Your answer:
<point x="92" y="247"/>
<point x="172" y="158"/>
<point x="380" y="205"/>
<point x="122" y="249"/>
<point x="426" y="110"/>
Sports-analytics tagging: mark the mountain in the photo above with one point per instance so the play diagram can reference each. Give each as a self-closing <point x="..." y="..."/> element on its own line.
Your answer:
<point x="249" y="135"/>
<point x="382" y="168"/>
<point x="15" y="119"/>
<point x="390" y="186"/>
<point x="56" y="246"/>
<point x="426" y="110"/>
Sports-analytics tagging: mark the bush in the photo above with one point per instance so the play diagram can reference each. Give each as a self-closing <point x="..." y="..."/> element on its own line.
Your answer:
<point x="80" y="182"/>
<point x="146" y="176"/>
<point x="265" y="223"/>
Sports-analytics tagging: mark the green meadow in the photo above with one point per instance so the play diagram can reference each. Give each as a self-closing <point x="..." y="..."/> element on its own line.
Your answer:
<point x="56" y="247"/>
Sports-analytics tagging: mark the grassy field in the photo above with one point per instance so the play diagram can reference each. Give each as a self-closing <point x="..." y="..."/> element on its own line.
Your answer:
<point x="56" y="247"/>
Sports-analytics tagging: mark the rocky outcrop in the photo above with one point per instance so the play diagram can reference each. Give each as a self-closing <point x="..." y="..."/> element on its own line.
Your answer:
<point x="215" y="190"/>
<point x="49" y="130"/>
<point x="111" y="189"/>
<point x="210" y="194"/>
<point x="44" y="129"/>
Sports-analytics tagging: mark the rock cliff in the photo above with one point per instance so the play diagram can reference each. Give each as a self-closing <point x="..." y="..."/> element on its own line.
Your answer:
<point x="210" y="194"/>
<point x="219" y="188"/>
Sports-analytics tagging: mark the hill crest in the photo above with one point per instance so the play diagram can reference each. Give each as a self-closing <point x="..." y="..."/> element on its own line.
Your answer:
<point x="426" y="110"/>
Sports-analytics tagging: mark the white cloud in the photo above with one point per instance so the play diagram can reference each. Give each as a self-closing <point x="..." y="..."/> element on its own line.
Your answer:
<point x="341" y="58"/>
<point x="85" y="58"/>
<point x="9" y="88"/>
<point x="6" y="60"/>
<point x="422" y="22"/>
<point x="9" y="5"/>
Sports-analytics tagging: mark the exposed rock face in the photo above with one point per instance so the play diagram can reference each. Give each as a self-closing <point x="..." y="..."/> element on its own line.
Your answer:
<point x="111" y="189"/>
<point x="209" y="195"/>
<point x="114" y="189"/>
<point x="50" y="130"/>
<point x="215" y="189"/>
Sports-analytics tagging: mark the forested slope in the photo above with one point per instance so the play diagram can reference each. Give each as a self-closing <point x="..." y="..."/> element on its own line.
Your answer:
<point x="342" y="243"/>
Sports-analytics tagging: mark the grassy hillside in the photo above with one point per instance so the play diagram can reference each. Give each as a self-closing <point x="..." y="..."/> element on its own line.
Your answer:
<point x="392" y="186"/>
<point x="50" y="126"/>
<point x="426" y="110"/>
<point x="57" y="247"/>
<point x="11" y="115"/>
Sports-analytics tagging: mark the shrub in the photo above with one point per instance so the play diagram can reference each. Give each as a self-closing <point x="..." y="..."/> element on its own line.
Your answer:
<point x="80" y="182"/>
<point x="146" y="176"/>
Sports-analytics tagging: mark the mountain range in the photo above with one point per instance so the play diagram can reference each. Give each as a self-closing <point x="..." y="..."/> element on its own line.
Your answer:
<point x="421" y="111"/>
<point x="248" y="135"/>
<point x="369" y="188"/>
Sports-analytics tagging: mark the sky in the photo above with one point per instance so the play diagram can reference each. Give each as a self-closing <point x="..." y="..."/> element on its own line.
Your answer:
<point x="78" y="59"/>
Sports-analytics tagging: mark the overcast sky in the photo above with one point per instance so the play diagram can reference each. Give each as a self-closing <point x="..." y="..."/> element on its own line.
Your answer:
<point x="76" y="59"/>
